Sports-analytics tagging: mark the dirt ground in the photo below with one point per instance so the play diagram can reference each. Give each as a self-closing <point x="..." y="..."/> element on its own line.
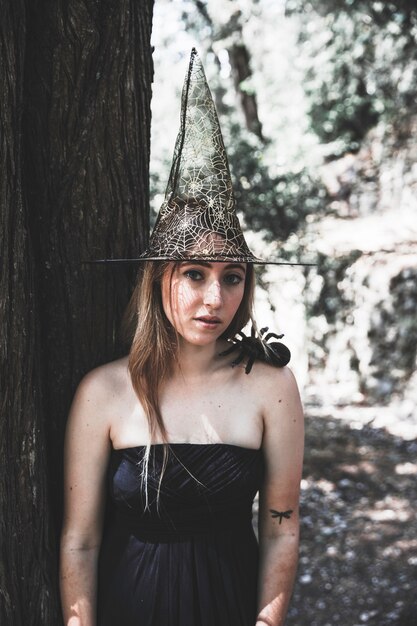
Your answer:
<point x="358" y="553"/>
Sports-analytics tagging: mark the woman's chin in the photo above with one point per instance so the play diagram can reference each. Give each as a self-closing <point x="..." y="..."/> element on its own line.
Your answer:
<point x="200" y="339"/>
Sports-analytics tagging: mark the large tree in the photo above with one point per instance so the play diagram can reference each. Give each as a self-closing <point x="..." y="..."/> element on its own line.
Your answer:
<point x="75" y="127"/>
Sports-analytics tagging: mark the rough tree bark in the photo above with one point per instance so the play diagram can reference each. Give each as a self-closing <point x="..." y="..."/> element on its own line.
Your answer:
<point x="88" y="145"/>
<point x="76" y="87"/>
<point x="26" y="571"/>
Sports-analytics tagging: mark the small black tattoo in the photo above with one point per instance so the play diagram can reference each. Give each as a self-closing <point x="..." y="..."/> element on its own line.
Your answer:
<point x="281" y="515"/>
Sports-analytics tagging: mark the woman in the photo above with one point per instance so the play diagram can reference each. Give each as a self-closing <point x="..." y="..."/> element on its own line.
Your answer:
<point x="166" y="447"/>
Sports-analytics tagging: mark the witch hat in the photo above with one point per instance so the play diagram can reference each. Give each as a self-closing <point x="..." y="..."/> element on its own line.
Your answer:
<point x="197" y="219"/>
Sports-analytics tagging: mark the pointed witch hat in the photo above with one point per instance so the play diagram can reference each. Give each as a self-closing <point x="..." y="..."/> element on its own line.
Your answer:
<point x="197" y="220"/>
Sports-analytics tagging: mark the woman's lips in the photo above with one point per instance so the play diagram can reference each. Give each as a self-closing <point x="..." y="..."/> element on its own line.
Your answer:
<point x="208" y="322"/>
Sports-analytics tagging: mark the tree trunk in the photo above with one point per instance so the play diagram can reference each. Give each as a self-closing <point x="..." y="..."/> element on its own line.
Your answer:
<point x="27" y="585"/>
<point x="88" y="142"/>
<point x="80" y="73"/>
<point x="240" y="62"/>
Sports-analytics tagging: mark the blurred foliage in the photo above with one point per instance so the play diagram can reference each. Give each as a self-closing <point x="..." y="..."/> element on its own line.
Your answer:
<point x="277" y="204"/>
<point x="393" y="332"/>
<point x="363" y="65"/>
<point x="331" y="301"/>
<point x="273" y="197"/>
<point x="325" y="71"/>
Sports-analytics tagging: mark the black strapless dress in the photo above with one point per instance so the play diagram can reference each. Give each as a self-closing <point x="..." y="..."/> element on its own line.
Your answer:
<point x="192" y="558"/>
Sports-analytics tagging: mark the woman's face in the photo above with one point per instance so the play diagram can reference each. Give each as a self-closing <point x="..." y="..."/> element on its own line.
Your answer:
<point x="200" y="299"/>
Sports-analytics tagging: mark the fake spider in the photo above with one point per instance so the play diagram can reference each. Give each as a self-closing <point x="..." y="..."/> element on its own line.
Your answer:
<point x="256" y="347"/>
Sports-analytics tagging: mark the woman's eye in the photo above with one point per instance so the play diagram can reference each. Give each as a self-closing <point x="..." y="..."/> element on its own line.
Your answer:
<point x="233" y="279"/>
<point x="193" y="274"/>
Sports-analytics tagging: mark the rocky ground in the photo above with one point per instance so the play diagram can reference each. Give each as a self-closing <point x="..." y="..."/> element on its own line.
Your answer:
<point x="358" y="555"/>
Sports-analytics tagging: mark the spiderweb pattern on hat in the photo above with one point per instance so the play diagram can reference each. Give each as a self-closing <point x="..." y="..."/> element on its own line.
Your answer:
<point x="197" y="219"/>
<point x="198" y="216"/>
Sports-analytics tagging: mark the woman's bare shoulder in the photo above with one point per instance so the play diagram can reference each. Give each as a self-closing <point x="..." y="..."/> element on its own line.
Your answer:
<point x="273" y="380"/>
<point x="102" y="386"/>
<point x="106" y="378"/>
<point x="92" y="407"/>
<point x="277" y="390"/>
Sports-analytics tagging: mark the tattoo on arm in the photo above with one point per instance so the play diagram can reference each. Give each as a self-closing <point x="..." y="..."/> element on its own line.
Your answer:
<point x="281" y="514"/>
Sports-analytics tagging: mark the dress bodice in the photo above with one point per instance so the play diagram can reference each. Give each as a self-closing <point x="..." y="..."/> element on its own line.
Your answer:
<point x="189" y="557"/>
<point x="204" y="487"/>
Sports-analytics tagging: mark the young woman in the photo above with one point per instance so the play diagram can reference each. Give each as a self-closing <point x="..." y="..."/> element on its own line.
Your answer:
<point x="166" y="448"/>
<point x="190" y="558"/>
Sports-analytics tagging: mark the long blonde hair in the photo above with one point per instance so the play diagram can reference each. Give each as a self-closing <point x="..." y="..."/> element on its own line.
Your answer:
<point x="154" y="343"/>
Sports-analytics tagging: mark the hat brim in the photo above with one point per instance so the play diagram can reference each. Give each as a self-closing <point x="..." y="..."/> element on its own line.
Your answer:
<point x="207" y="259"/>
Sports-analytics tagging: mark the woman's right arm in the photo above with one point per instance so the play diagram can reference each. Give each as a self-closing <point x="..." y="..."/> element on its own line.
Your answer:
<point x="87" y="447"/>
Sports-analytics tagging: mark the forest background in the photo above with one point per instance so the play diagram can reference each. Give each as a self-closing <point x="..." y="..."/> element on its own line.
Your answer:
<point x="317" y="103"/>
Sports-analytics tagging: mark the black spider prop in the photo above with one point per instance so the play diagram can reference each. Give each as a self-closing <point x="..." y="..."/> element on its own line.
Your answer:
<point x="253" y="347"/>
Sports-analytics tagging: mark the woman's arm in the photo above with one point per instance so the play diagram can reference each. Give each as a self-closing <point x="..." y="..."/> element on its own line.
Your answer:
<point x="283" y="445"/>
<point x="87" y="446"/>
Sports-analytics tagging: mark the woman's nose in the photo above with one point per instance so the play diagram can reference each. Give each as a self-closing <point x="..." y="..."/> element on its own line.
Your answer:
<point x="213" y="295"/>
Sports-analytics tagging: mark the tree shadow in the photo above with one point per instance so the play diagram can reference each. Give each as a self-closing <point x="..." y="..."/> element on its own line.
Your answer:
<point x="358" y="552"/>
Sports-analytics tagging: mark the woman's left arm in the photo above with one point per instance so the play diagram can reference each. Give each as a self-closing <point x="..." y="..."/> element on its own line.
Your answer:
<point x="283" y="446"/>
